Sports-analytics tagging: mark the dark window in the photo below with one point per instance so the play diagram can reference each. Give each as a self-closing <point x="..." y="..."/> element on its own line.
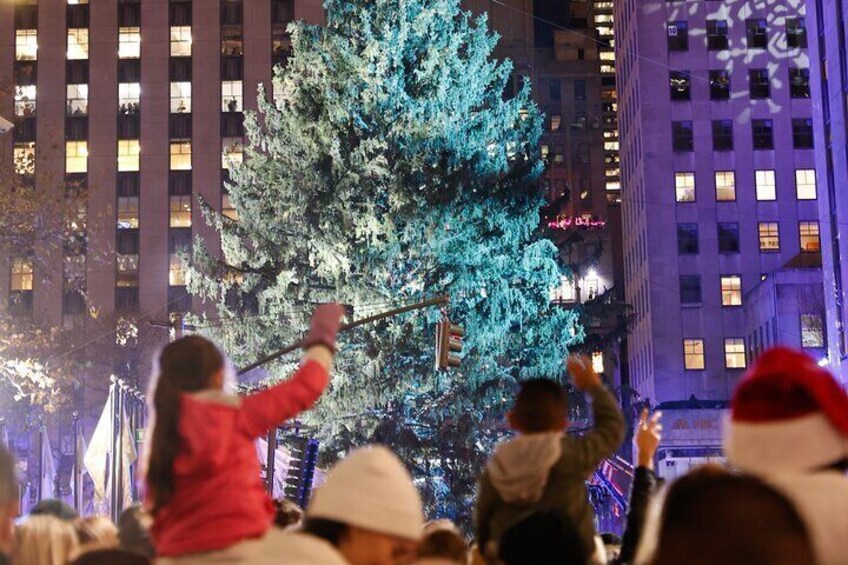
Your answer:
<point x="26" y="72"/>
<point x="180" y="13"/>
<point x="232" y="124"/>
<point x="687" y="239"/>
<point x="716" y="35"/>
<point x="728" y="238"/>
<point x="757" y="33"/>
<point x="799" y="83"/>
<point x="126" y="299"/>
<point x="678" y="36"/>
<point x="178" y="299"/>
<point x="719" y="85"/>
<point x="690" y="289"/>
<point x="24" y="130"/>
<point x="178" y="239"/>
<point x="232" y="43"/>
<point x="580" y="90"/>
<point x="129" y="126"/>
<point x="26" y="16"/>
<point x="128" y="184"/>
<point x="682" y="138"/>
<point x="73" y="303"/>
<point x="679" y="83"/>
<point x="796" y="32"/>
<point x="77" y="15"/>
<point x="179" y="69"/>
<point x="759" y="81"/>
<point x="232" y="68"/>
<point x="76" y="128"/>
<point x="179" y="126"/>
<point x="231" y="11"/>
<point x="129" y="14"/>
<point x="802" y="133"/>
<point x="20" y="303"/>
<point x="129" y="70"/>
<point x="126" y="242"/>
<point x="763" y="131"/>
<point x="722" y="135"/>
<point x="179" y="182"/>
<point x="282" y="11"/>
<point x="555" y="90"/>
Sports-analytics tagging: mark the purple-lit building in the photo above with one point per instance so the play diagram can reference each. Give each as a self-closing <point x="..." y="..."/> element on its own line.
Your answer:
<point x="829" y="74"/>
<point x="719" y="185"/>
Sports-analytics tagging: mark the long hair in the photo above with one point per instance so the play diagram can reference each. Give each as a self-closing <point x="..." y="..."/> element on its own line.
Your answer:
<point x="44" y="540"/>
<point x="186" y="365"/>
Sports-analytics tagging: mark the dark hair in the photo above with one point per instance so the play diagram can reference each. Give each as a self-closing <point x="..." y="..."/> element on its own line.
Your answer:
<point x="446" y="544"/>
<point x="55" y="508"/>
<point x="286" y="513"/>
<point x="186" y="365"/>
<point x="111" y="557"/>
<point x="545" y="537"/>
<point x="8" y="479"/>
<point x="541" y="406"/>
<point x="132" y="533"/>
<point x="328" y="530"/>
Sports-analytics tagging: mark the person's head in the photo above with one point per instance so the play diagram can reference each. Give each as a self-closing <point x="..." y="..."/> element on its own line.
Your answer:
<point x="8" y="498"/>
<point x="287" y="514"/>
<point x="134" y="532"/>
<point x="713" y="516"/>
<point x="111" y="557"/>
<point x="190" y="364"/>
<point x="443" y="540"/>
<point x="541" y="406"/>
<point x="369" y="509"/>
<point x="44" y="540"/>
<point x="96" y="531"/>
<point x="55" y="508"/>
<point x="545" y="537"/>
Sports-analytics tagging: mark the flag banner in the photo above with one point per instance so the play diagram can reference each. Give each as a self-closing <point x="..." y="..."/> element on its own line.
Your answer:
<point x="129" y="456"/>
<point x="78" y="470"/>
<point x="98" y="456"/>
<point x="47" y="470"/>
<point x="282" y="462"/>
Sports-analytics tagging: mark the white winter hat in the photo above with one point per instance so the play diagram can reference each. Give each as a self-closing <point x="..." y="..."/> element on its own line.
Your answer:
<point x="371" y="489"/>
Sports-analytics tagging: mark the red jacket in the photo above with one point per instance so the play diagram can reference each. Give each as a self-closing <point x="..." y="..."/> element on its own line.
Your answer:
<point x="219" y="498"/>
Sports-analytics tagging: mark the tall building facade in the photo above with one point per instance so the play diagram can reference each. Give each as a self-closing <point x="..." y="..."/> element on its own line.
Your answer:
<point x="720" y="189"/>
<point x="829" y="74"/>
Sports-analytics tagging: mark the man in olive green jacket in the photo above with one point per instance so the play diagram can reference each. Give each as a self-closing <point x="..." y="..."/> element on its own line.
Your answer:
<point x="543" y="469"/>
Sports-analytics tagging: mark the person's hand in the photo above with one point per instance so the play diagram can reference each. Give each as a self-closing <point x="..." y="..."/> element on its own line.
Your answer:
<point x="582" y="373"/>
<point x="324" y="326"/>
<point x="647" y="438"/>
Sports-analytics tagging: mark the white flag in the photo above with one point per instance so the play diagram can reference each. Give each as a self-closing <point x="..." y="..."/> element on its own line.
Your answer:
<point x="98" y="455"/>
<point x="4" y="435"/>
<point x="128" y="456"/>
<point x="47" y="480"/>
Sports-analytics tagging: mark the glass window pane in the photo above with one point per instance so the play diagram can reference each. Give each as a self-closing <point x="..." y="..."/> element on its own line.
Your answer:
<point x="76" y="157"/>
<point x="734" y="353"/>
<point x="725" y="182"/>
<point x="129" y="43"/>
<point x="693" y="354"/>
<point x="765" y="184"/>
<point x="805" y="184"/>
<point x="180" y="97"/>
<point x="77" y="99"/>
<point x="181" y="156"/>
<point x="25" y="100"/>
<point x="231" y="96"/>
<point x="78" y="43"/>
<point x="128" y="155"/>
<point x="684" y="184"/>
<point x="731" y="290"/>
<point x="26" y="45"/>
<point x="180" y="41"/>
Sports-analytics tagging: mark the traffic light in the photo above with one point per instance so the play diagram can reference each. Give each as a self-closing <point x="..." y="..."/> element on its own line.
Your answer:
<point x="448" y="344"/>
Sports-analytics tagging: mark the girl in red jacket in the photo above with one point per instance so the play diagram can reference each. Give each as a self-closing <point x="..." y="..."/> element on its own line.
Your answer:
<point x="203" y="485"/>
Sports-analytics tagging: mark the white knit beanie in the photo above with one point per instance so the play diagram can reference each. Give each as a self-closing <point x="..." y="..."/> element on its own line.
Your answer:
<point x="372" y="490"/>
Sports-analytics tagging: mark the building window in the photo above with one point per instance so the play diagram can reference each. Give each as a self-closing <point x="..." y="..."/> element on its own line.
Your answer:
<point x="228" y="210"/>
<point x="769" y="234"/>
<point x="180" y="155"/>
<point x="796" y="32"/>
<point x="719" y="85"/>
<point x="22" y="274"/>
<point x="763" y="132"/>
<point x="76" y="157"/>
<point x="566" y="292"/>
<point x="728" y="237"/>
<point x="759" y="83"/>
<point x="128" y="155"/>
<point x="716" y="35"/>
<point x="678" y="36"/>
<point x="78" y="44"/>
<point x="180" y="41"/>
<point x="693" y="354"/>
<point x="231" y="96"/>
<point x="679" y="84"/>
<point x="129" y="97"/>
<point x="129" y="43"/>
<point x="26" y="45"/>
<point x="684" y="186"/>
<point x="176" y="271"/>
<point x="809" y="232"/>
<point x="799" y="83"/>
<point x="725" y="184"/>
<point x="765" y="185"/>
<point x="687" y="239"/>
<point x="180" y="97"/>
<point x="734" y="353"/>
<point x="802" y="133"/>
<point x="805" y="184"/>
<point x="25" y="100"/>
<point x="682" y="137"/>
<point x="180" y="211"/>
<point x="554" y="90"/>
<point x="127" y="212"/>
<point x="812" y="331"/>
<point x="722" y="135"/>
<point x="690" y="290"/>
<point x="556" y="122"/>
<point x="731" y="290"/>
<point x="757" y="33"/>
<point x="231" y="151"/>
<point x="24" y="158"/>
<point x="77" y="99"/>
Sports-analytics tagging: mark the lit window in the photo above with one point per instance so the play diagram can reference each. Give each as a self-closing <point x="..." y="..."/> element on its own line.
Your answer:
<point x="725" y="183"/>
<point x="684" y="185"/>
<point x="78" y="43"/>
<point x="731" y="290"/>
<point x="805" y="184"/>
<point x="591" y="286"/>
<point x="598" y="361"/>
<point x="809" y="232"/>
<point x="693" y="354"/>
<point x="128" y="154"/>
<point x="126" y="263"/>
<point x="129" y="43"/>
<point x="766" y="188"/>
<point x="565" y="292"/>
<point x="232" y="151"/>
<point x="21" y="274"/>
<point x="25" y="100"/>
<point x="127" y="212"/>
<point x="812" y="330"/>
<point x="75" y="2"/>
<point x="76" y="156"/>
<point x="129" y="97"/>
<point x="176" y="271"/>
<point x="24" y="157"/>
<point x="556" y="122"/>
<point x="180" y="209"/>
<point x="734" y="353"/>
<point x="26" y="45"/>
<point x="180" y="155"/>
<point x="769" y="233"/>
<point x="227" y="208"/>
<point x="180" y="41"/>
<point x="180" y="97"/>
<point x="77" y="99"/>
<point x="231" y="96"/>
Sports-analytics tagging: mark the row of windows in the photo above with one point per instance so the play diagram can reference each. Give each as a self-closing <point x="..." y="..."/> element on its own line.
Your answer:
<point x="762" y="133"/>
<point x="129" y="43"/>
<point x="768" y="233"/>
<point x="764" y="182"/>
<point x="759" y="84"/>
<point x="756" y="34"/>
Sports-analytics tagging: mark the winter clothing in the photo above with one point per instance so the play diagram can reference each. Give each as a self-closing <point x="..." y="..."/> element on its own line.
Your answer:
<point x="547" y="471"/>
<point x="324" y="326"/>
<point x="270" y="549"/>
<point x="295" y="548"/>
<point x="644" y="484"/>
<point x="219" y="499"/>
<point x="371" y="489"/>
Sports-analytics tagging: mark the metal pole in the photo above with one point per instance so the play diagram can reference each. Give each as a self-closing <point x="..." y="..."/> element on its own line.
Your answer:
<point x="40" y="459"/>
<point x="119" y="459"/>
<point x="77" y="478"/>
<point x="271" y="461"/>
<point x="113" y="474"/>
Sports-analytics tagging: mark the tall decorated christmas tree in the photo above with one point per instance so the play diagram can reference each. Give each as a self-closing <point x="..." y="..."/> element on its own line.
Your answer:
<point x="390" y="169"/>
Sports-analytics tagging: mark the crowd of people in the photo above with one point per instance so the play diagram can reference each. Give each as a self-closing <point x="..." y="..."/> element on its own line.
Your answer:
<point x="782" y="497"/>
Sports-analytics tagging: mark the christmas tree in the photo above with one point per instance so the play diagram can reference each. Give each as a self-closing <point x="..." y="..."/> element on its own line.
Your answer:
<point x="390" y="168"/>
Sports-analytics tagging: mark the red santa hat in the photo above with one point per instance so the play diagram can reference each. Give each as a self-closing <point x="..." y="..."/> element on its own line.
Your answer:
<point x="787" y="415"/>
